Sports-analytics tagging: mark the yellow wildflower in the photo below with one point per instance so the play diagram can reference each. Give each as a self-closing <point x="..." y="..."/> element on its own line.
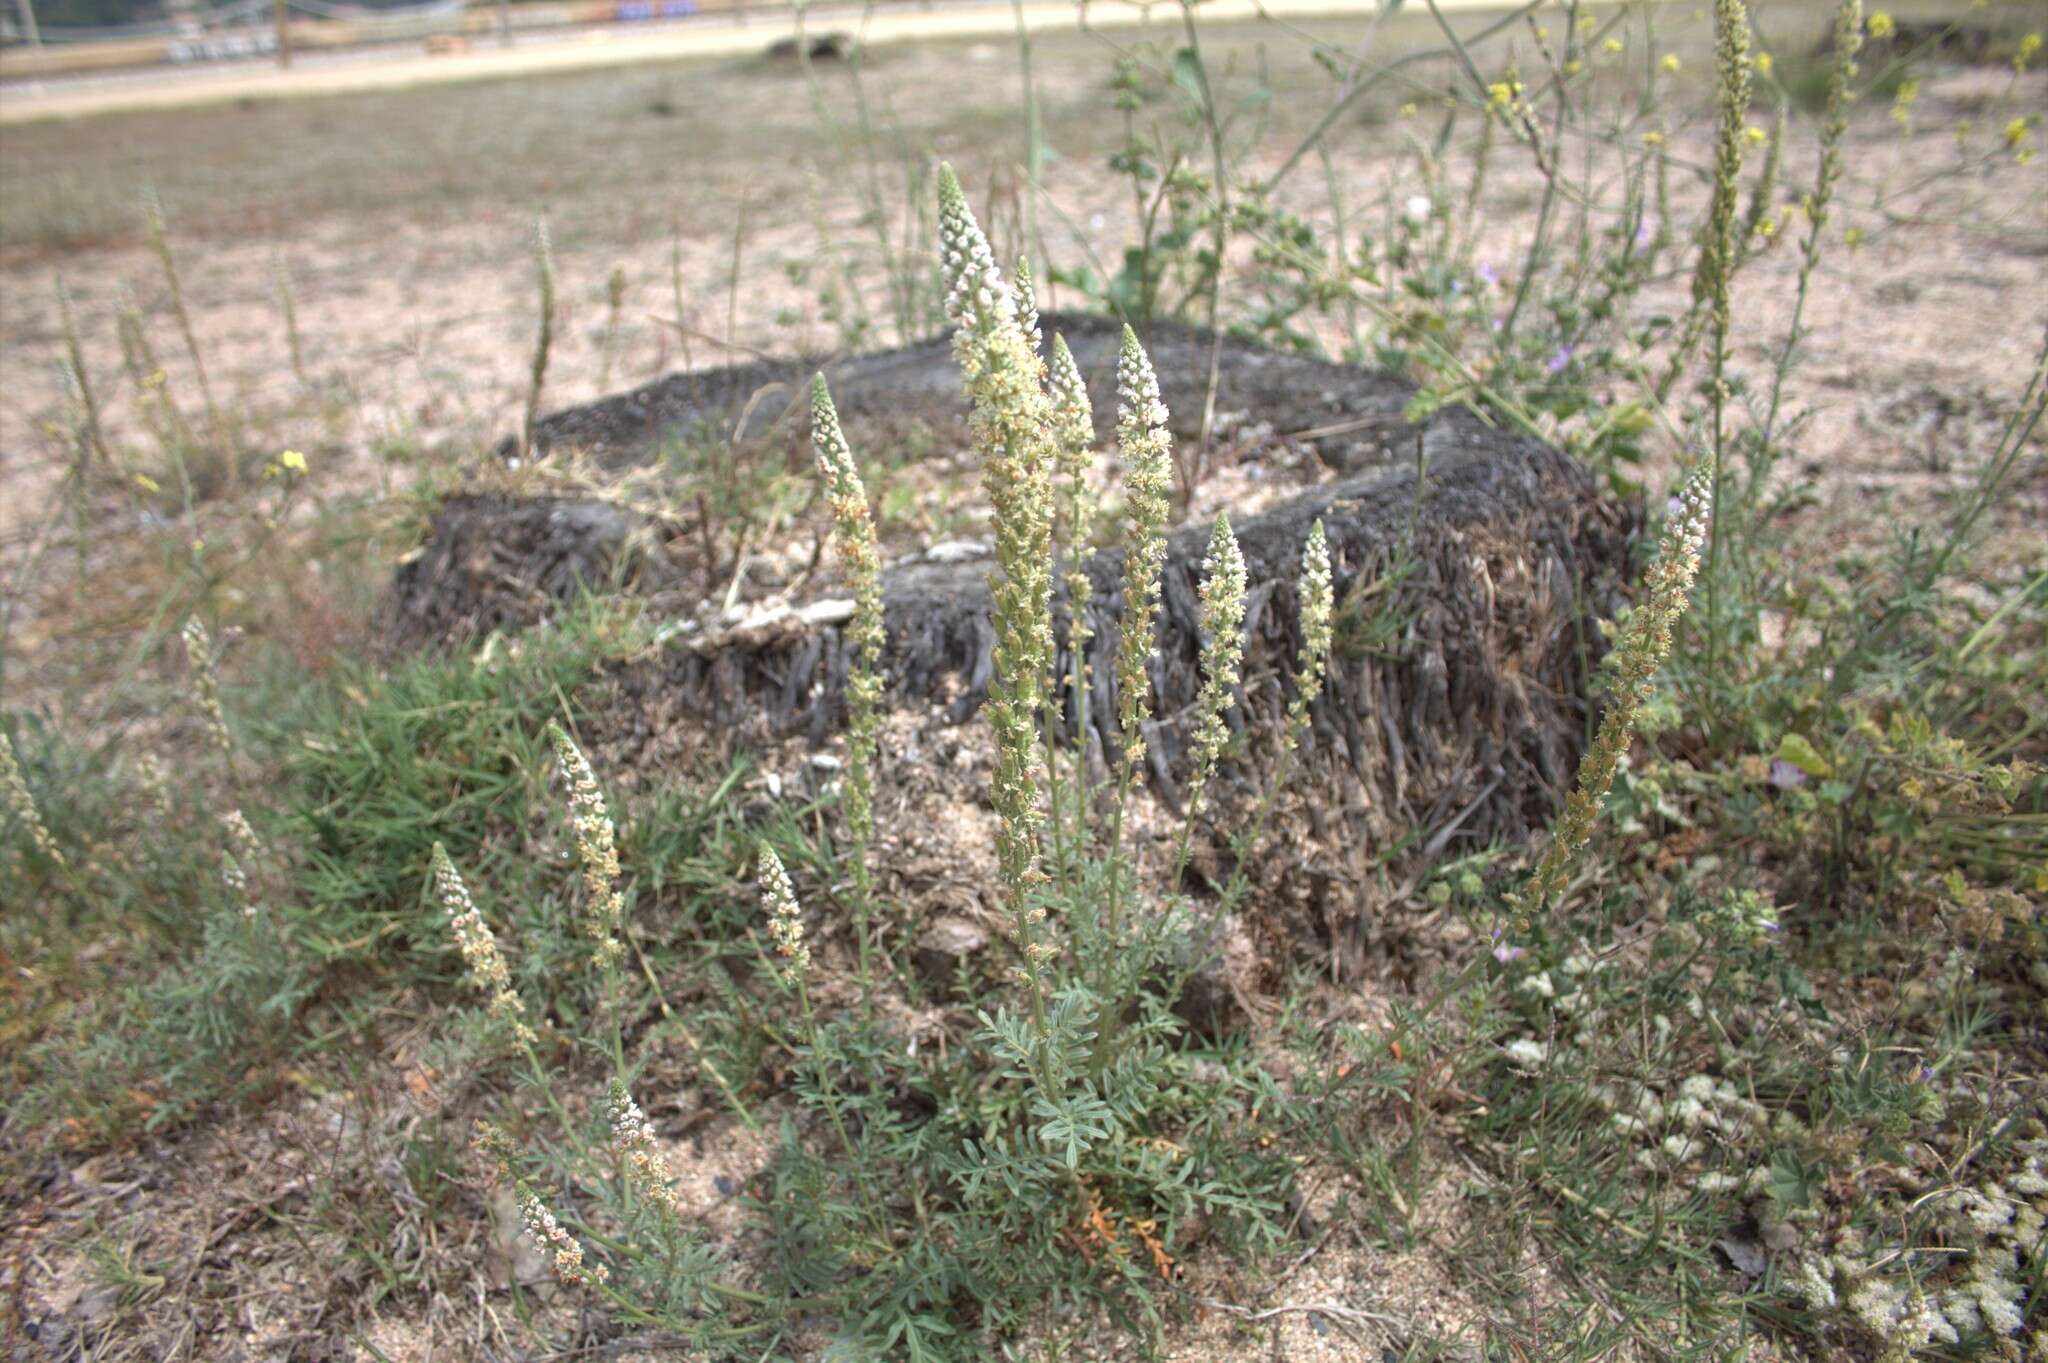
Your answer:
<point x="291" y="461"/>
<point x="1670" y="62"/>
<point x="1881" y="26"/>
<point x="1753" y="134"/>
<point x="2016" y="132"/>
<point x="147" y="483"/>
<point x="1763" y="63"/>
<point x="2023" y="58"/>
<point x="1613" y="44"/>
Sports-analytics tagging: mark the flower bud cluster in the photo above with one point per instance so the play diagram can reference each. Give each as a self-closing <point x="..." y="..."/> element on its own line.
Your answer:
<point x="241" y="855"/>
<point x="976" y="296"/>
<point x="478" y="945"/>
<point x="633" y="1142"/>
<point x="14" y="794"/>
<point x="596" y="845"/>
<point x="156" y="785"/>
<point x="785" y="918"/>
<point x="1027" y="303"/>
<point x="199" y="652"/>
<point x="562" y="1249"/>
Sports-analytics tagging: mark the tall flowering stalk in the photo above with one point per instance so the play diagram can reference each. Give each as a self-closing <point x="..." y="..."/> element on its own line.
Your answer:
<point x="1318" y="611"/>
<point x="160" y="238"/>
<point x="1848" y="40"/>
<point x="1718" y="241"/>
<point x="1223" y="587"/>
<point x="1318" y="607"/>
<point x="1145" y="450"/>
<point x="1718" y="246"/>
<point x="854" y="529"/>
<point x="199" y="653"/>
<point x="1012" y="424"/>
<point x="1758" y="227"/>
<point x="74" y="360"/>
<point x="482" y="961"/>
<point x="596" y="846"/>
<point x="543" y="341"/>
<point x="786" y="932"/>
<point x="1645" y="643"/>
<point x="1074" y="441"/>
<point x="1311" y="665"/>
<point x="14" y="794"/>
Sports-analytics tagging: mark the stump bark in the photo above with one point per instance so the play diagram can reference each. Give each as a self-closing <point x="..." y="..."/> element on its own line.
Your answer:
<point x="1470" y="564"/>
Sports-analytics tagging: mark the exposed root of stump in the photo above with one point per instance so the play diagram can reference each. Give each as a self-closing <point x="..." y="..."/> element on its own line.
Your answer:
<point x="1470" y="565"/>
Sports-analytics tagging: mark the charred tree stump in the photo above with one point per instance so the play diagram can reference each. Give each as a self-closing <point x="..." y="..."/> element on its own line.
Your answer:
<point x="1470" y="566"/>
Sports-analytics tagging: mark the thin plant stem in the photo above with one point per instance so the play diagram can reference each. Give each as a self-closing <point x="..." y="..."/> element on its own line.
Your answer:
<point x="160" y="239"/>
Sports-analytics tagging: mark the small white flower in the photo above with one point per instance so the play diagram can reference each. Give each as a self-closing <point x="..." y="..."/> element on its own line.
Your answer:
<point x="1814" y="1283"/>
<point x="1680" y="1148"/>
<point x="1419" y="208"/>
<point x="1526" y="1052"/>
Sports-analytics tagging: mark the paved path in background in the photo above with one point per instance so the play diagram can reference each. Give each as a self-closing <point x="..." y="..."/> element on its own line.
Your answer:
<point x="171" y="87"/>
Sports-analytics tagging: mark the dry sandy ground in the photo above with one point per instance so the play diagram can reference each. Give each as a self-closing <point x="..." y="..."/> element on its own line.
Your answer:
<point x="416" y="329"/>
<point x="174" y="87"/>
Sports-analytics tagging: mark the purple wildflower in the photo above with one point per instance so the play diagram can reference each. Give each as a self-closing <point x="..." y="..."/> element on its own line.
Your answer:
<point x="1488" y="274"/>
<point x="1785" y="776"/>
<point x="1560" y="360"/>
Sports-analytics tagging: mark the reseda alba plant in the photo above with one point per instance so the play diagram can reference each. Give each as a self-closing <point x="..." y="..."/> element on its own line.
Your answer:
<point x="1072" y="1112"/>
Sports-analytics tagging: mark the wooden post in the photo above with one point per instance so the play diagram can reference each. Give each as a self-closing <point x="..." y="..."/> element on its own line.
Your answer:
<point x="284" y="35"/>
<point x="504" y="23"/>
